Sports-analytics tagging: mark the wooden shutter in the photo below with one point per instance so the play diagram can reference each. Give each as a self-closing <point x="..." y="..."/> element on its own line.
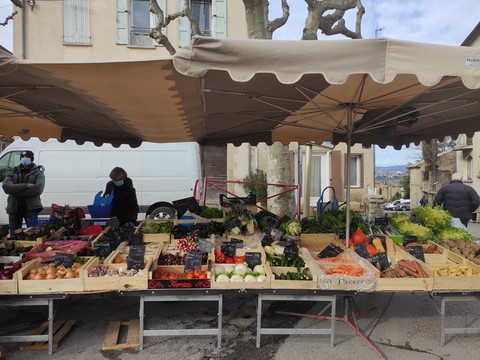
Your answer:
<point x="122" y="22"/>
<point x="219" y="12"/>
<point x="183" y="28"/>
<point x="76" y="22"/>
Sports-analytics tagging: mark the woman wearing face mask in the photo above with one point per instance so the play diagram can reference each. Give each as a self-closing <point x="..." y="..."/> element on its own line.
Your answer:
<point x="24" y="184"/>
<point x="124" y="204"/>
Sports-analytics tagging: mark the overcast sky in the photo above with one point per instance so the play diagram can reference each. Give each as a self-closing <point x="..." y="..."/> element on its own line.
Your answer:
<point x="439" y="21"/>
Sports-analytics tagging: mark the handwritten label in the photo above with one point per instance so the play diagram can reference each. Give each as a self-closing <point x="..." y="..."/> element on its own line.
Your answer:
<point x="383" y="261"/>
<point x="193" y="260"/>
<point x="135" y="262"/>
<point x="361" y="250"/>
<point x="101" y="248"/>
<point x="135" y="239"/>
<point x="64" y="259"/>
<point x="291" y="252"/>
<point x="252" y="259"/>
<point x="417" y="252"/>
<point x="342" y="234"/>
<point x="228" y="248"/>
<point x="331" y="250"/>
<point x="407" y="239"/>
<point x="137" y="251"/>
<point x="238" y="242"/>
<point x="204" y="245"/>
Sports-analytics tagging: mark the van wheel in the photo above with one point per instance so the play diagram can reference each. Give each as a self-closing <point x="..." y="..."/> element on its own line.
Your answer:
<point x="162" y="212"/>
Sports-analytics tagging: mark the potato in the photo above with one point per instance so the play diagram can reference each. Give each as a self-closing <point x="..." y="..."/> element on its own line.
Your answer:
<point x="460" y="244"/>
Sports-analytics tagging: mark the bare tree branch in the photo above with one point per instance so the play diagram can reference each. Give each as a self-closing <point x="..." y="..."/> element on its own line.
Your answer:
<point x="8" y="18"/>
<point x="331" y="24"/>
<point x="17" y="3"/>
<point x="278" y="22"/>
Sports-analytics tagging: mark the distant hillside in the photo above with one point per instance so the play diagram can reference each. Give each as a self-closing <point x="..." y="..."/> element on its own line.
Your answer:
<point x="391" y="169"/>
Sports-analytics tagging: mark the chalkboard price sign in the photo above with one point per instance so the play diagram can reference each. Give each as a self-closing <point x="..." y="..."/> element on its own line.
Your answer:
<point x="238" y="242"/>
<point x="204" y="245"/>
<point x="135" y="262"/>
<point x="342" y="234"/>
<point x="137" y="251"/>
<point x="383" y="261"/>
<point x="291" y="252"/>
<point x="193" y="260"/>
<point x="101" y="248"/>
<point x="417" y="252"/>
<point x="135" y="239"/>
<point x="253" y="259"/>
<point x="228" y="248"/>
<point x="64" y="259"/>
<point x="361" y="250"/>
<point x="407" y="239"/>
<point x="331" y="250"/>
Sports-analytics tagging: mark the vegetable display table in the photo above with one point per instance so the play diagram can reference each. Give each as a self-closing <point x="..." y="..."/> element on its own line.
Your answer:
<point x="455" y="296"/>
<point x="179" y="295"/>
<point x="298" y="295"/>
<point x="32" y="300"/>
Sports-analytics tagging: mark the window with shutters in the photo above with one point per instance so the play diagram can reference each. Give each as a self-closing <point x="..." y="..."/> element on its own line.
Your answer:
<point x="76" y="22"/>
<point x="211" y="17"/>
<point x="134" y="21"/>
<point x="356" y="170"/>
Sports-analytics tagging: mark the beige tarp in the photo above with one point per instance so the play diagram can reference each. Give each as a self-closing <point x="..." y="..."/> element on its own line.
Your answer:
<point x="232" y="91"/>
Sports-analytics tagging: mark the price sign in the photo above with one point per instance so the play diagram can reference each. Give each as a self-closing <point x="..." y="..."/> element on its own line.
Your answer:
<point x="137" y="251"/>
<point x="381" y="221"/>
<point x="64" y="259"/>
<point x="407" y="239"/>
<point x="228" y="248"/>
<point x="193" y="260"/>
<point x="416" y="220"/>
<point x="238" y="242"/>
<point x="204" y="245"/>
<point x="342" y="234"/>
<point x="361" y="250"/>
<point x="417" y="252"/>
<point x="383" y="261"/>
<point x="291" y="252"/>
<point x="253" y="259"/>
<point x="135" y="239"/>
<point x="101" y="248"/>
<point x="331" y="250"/>
<point x="135" y="262"/>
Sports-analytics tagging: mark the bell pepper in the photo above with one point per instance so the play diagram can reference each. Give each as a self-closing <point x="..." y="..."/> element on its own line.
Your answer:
<point x="219" y="256"/>
<point x="229" y="260"/>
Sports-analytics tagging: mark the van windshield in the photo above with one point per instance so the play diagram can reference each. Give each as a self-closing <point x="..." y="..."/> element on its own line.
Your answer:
<point x="7" y="162"/>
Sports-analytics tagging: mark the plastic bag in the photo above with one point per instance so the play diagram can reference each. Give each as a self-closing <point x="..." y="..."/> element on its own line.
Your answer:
<point x="100" y="200"/>
<point x="70" y="217"/>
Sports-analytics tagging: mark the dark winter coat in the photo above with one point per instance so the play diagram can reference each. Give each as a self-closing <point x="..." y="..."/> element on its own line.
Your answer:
<point x="458" y="199"/>
<point x="124" y="204"/>
<point x="15" y="185"/>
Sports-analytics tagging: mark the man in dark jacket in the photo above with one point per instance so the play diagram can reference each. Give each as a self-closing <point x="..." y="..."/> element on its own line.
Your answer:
<point x="124" y="204"/>
<point x="24" y="184"/>
<point x="458" y="199"/>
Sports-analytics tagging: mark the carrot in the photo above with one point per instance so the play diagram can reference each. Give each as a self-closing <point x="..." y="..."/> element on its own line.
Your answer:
<point x="419" y="269"/>
<point x="406" y="264"/>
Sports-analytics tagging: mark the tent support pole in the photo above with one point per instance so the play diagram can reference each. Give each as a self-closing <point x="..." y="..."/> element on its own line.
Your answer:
<point x="307" y="179"/>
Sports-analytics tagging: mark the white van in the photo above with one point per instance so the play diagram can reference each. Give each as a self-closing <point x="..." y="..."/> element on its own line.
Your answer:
<point x="161" y="173"/>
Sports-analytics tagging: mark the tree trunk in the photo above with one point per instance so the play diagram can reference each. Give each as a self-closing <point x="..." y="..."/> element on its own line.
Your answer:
<point x="278" y="164"/>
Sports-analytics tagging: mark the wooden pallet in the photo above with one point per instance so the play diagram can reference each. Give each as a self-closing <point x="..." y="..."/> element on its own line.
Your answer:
<point x="110" y="341"/>
<point x="60" y="329"/>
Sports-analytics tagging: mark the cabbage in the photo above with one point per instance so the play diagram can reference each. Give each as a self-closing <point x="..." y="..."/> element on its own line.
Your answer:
<point x="259" y="269"/>
<point x="294" y="228"/>
<point x="250" y="278"/>
<point x="241" y="269"/>
<point x="236" y="278"/>
<point x="222" y="278"/>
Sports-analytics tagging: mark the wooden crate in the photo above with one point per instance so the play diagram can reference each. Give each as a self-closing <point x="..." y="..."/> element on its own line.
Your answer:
<point x="241" y="285"/>
<point x="60" y="329"/>
<point x="318" y="242"/>
<point x="177" y="283"/>
<point x="112" y="335"/>
<point x="447" y="258"/>
<point x="107" y="283"/>
<point x="405" y="284"/>
<point x="163" y="237"/>
<point x="10" y="286"/>
<point x="48" y="286"/>
<point x="294" y="284"/>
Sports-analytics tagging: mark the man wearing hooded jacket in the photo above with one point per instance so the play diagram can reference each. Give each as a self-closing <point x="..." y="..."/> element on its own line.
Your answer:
<point x="24" y="184"/>
<point x="458" y="199"/>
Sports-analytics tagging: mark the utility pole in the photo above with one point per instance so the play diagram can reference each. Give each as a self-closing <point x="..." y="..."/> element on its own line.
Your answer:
<point x="378" y="30"/>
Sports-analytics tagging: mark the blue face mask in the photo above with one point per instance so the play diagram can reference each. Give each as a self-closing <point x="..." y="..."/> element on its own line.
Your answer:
<point x="26" y="161"/>
<point x="118" y="183"/>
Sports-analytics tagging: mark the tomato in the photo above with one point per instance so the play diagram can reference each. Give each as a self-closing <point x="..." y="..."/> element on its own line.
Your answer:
<point x="197" y="273"/>
<point x="238" y="259"/>
<point x="372" y="250"/>
<point x="358" y="237"/>
<point x="156" y="275"/>
<point x="229" y="260"/>
<point x="202" y="276"/>
<point x="172" y="276"/>
<point x="189" y="275"/>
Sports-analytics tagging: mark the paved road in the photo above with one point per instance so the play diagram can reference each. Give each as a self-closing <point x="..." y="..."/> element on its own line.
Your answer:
<point x="400" y="325"/>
